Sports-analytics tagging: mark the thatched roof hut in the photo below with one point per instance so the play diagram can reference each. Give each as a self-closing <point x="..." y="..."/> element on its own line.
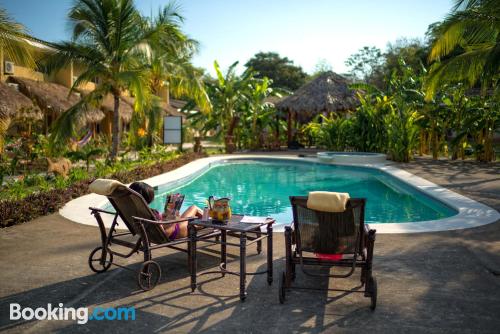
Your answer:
<point x="172" y="108"/>
<point x="329" y="92"/>
<point x="274" y="100"/>
<point x="13" y="104"/>
<point x="54" y="98"/>
<point x="126" y="107"/>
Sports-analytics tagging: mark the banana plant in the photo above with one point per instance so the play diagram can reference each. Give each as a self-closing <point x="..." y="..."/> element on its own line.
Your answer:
<point x="332" y="132"/>
<point x="229" y="94"/>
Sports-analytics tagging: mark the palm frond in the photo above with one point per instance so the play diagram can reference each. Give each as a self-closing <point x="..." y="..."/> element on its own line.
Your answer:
<point x="13" y="37"/>
<point x="467" y="67"/>
<point x="70" y="121"/>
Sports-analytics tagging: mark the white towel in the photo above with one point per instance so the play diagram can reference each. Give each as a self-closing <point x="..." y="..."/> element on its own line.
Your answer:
<point x="105" y="186"/>
<point x="327" y="201"/>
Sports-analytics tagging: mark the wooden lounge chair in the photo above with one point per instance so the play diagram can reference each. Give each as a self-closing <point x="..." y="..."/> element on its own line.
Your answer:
<point x="144" y="234"/>
<point x="329" y="239"/>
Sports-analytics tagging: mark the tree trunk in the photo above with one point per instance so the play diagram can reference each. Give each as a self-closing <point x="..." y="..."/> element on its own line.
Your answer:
<point x="289" y="129"/>
<point x="229" y="140"/>
<point x="115" y="146"/>
<point x="422" y="143"/>
<point x="435" y="143"/>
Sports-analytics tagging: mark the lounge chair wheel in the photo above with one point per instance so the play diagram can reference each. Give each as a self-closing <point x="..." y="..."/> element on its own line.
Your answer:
<point x="372" y="284"/>
<point x="149" y="275"/>
<point x="281" y="288"/>
<point x="95" y="260"/>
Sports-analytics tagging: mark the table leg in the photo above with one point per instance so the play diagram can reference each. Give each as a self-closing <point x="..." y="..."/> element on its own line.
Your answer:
<point x="192" y="251"/>
<point x="243" y="269"/>
<point x="259" y="243"/>
<point x="223" y="247"/>
<point x="270" y="254"/>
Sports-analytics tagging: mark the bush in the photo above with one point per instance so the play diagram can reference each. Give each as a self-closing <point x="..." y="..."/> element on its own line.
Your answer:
<point x="22" y="206"/>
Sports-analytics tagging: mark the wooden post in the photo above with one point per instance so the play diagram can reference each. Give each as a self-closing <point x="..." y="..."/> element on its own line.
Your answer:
<point x="289" y="129"/>
<point x="277" y="127"/>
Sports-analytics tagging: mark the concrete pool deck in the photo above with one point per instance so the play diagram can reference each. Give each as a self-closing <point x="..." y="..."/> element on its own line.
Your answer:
<point x="440" y="282"/>
<point x="470" y="213"/>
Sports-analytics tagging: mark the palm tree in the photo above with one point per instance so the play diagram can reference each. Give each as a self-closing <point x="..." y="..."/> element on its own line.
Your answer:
<point x="110" y="38"/>
<point x="169" y="67"/>
<point x="466" y="45"/>
<point x="14" y="45"/>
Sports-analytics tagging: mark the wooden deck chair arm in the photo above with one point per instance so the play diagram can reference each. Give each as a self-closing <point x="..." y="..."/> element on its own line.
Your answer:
<point x="101" y="211"/>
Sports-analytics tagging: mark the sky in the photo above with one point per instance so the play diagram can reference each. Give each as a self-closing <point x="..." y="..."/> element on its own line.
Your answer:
<point x="305" y="31"/>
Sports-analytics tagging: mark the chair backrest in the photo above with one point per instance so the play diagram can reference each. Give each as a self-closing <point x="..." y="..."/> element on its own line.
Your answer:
<point x="129" y="204"/>
<point x="328" y="232"/>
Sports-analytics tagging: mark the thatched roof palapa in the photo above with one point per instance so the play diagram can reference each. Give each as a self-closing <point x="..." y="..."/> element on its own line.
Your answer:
<point x="126" y="108"/>
<point x="274" y="100"/>
<point x="329" y="92"/>
<point x="52" y="97"/>
<point x="171" y="110"/>
<point x="16" y="105"/>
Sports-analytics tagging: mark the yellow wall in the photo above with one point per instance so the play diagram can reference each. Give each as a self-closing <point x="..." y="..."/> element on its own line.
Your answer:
<point x="77" y="70"/>
<point x="19" y="70"/>
<point x="24" y="72"/>
<point x="164" y="94"/>
<point x="63" y="77"/>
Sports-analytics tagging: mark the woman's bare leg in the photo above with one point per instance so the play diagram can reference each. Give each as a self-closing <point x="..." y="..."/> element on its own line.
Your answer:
<point x="192" y="211"/>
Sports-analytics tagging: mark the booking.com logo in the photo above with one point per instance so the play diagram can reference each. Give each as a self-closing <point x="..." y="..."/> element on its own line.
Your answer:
<point x="81" y="314"/>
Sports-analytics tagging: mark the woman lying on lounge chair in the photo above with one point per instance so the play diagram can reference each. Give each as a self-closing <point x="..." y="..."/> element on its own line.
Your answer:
<point x="173" y="231"/>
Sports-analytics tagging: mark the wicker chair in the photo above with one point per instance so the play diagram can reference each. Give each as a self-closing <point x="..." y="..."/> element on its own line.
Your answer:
<point x="338" y="239"/>
<point x="140" y="222"/>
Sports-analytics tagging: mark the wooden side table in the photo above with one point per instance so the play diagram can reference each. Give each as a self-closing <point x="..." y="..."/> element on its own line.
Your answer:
<point x="245" y="232"/>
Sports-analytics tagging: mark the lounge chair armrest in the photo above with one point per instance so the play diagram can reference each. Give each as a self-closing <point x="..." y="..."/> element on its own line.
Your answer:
<point x="188" y="219"/>
<point x="149" y="221"/>
<point x="101" y="210"/>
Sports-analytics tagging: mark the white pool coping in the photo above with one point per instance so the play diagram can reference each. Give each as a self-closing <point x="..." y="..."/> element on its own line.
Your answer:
<point x="354" y="158"/>
<point x="470" y="213"/>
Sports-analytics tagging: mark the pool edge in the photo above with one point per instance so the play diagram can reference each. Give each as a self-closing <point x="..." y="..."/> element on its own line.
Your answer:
<point x="470" y="212"/>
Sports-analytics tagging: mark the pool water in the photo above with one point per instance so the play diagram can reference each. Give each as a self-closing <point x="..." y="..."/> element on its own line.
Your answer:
<point x="262" y="188"/>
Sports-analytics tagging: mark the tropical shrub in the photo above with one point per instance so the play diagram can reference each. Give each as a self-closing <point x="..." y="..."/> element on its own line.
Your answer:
<point x="33" y="196"/>
<point x="332" y="132"/>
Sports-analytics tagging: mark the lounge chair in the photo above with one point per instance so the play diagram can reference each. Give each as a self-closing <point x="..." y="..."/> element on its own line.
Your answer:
<point x="141" y="223"/>
<point x="329" y="239"/>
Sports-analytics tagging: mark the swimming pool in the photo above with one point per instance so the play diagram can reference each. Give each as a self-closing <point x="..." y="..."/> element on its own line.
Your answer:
<point x="470" y="213"/>
<point x="262" y="187"/>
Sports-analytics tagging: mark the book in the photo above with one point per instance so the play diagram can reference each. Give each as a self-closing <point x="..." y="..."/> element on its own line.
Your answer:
<point x="253" y="220"/>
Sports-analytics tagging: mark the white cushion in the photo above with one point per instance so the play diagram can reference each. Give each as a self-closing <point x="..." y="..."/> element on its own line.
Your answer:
<point x="104" y="186"/>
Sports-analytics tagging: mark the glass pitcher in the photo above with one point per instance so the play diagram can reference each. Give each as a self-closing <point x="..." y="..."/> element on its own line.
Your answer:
<point x="219" y="208"/>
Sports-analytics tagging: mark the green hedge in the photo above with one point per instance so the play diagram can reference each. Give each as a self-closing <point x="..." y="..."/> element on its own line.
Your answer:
<point x="16" y="211"/>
